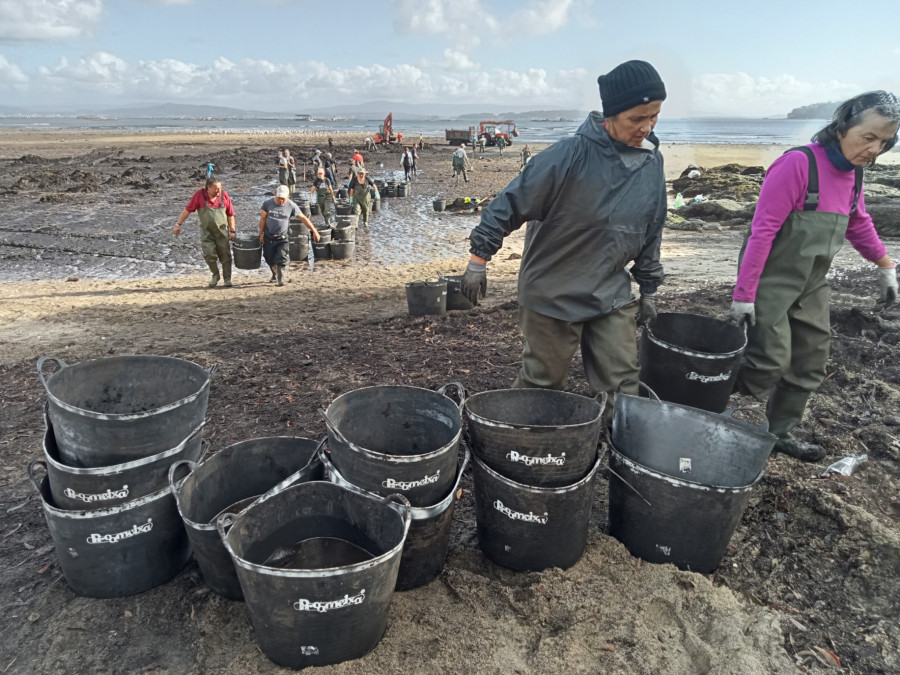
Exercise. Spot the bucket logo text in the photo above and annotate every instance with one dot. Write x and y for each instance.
(410, 484)
(528, 460)
(524, 517)
(101, 497)
(133, 531)
(705, 379)
(304, 605)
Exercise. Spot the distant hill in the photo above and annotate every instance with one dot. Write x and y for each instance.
(815, 111)
(185, 110)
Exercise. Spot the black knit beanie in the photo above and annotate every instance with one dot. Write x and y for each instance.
(630, 84)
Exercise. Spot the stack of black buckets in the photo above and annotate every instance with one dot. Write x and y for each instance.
(535, 460)
(113, 428)
(337, 242)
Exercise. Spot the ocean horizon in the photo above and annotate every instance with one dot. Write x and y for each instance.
(712, 130)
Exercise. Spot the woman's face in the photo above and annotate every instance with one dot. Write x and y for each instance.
(864, 142)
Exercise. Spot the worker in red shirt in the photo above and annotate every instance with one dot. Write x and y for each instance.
(217, 227)
(357, 158)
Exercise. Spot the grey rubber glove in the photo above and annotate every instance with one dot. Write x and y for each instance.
(474, 282)
(887, 285)
(646, 309)
(743, 312)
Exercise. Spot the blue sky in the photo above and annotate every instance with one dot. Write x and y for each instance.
(717, 58)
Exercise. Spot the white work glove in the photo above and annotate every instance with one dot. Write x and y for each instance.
(887, 285)
(743, 312)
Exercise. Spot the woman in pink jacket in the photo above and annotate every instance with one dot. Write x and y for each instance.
(811, 200)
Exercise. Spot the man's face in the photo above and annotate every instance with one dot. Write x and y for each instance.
(280, 200)
(632, 126)
(213, 190)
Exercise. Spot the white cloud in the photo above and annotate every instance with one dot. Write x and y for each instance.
(47, 20)
(103, 79)
(10, 73)
(741, 94)
(539, 18)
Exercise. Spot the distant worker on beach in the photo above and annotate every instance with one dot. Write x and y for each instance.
(274, 228)
(357, 158)
(407, 163)
(501, 143)
(282, 165)
(362, 194)
(291, 170)
(323, 193)
(460, 161)
(592, 203)
(217, 228)
(811, 200)
(370, 144)
(526, 155)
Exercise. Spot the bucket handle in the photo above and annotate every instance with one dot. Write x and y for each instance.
(33, 476)
(174, 483)
(223, 524)
(295, 477)
(212, 370)
(749, 408)
(401, 505)
(629, 485)
(640, 385)
(332, 427)
(601, 399)
(460, 392)
(40, 367)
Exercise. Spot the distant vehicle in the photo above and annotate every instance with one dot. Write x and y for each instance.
(459, 136)
(490, 131)
(386, 135)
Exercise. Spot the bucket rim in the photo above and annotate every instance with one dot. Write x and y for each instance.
(720, 418)
(427, 283)
(111, 469)
(399, 459)
(90, 514)
(648, 328)
(321, 571)
(543, 427)
(123, 417)
(178, 484)
(581, 482)
(418, 512)
(637, 467)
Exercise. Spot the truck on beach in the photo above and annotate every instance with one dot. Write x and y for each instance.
(459, 136)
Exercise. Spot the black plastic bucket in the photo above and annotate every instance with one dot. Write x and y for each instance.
(314, 208)
(395, 438)
(116, 551)
(390, 189)
(529, 528)
(352, 219)
(247, 251)
(343, 250)
(455, 298)
(106, 486)
(324, 234)
(244, 470)
(426, 297)
(344, 232)
(376, 205)
(691, 359)
(402, 189)
(343, 208)
(662, 519)
(425, 550)
(321, 250)
(690, 443)
(326, 608)
(119, 409)
(297, 228)
(298, 248)
(538, 437)
(439, 204)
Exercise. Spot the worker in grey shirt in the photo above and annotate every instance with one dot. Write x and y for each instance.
(274, 226)
(592, 203)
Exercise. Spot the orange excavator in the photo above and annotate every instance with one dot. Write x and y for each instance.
(386, 135)
(490, 131)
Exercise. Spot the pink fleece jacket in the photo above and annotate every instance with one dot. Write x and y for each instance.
(783, 191)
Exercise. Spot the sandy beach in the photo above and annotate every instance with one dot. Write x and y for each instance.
(90, 268)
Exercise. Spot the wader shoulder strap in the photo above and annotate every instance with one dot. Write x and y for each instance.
(811, 202)
(857, 188)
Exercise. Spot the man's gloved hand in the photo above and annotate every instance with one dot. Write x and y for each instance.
(474, 281)
(647, 308)
(743, 312)
(887, 285)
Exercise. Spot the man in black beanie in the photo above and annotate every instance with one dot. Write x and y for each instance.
(593, 203)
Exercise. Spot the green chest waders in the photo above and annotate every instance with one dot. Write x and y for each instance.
(788, 347)
(214, 238)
